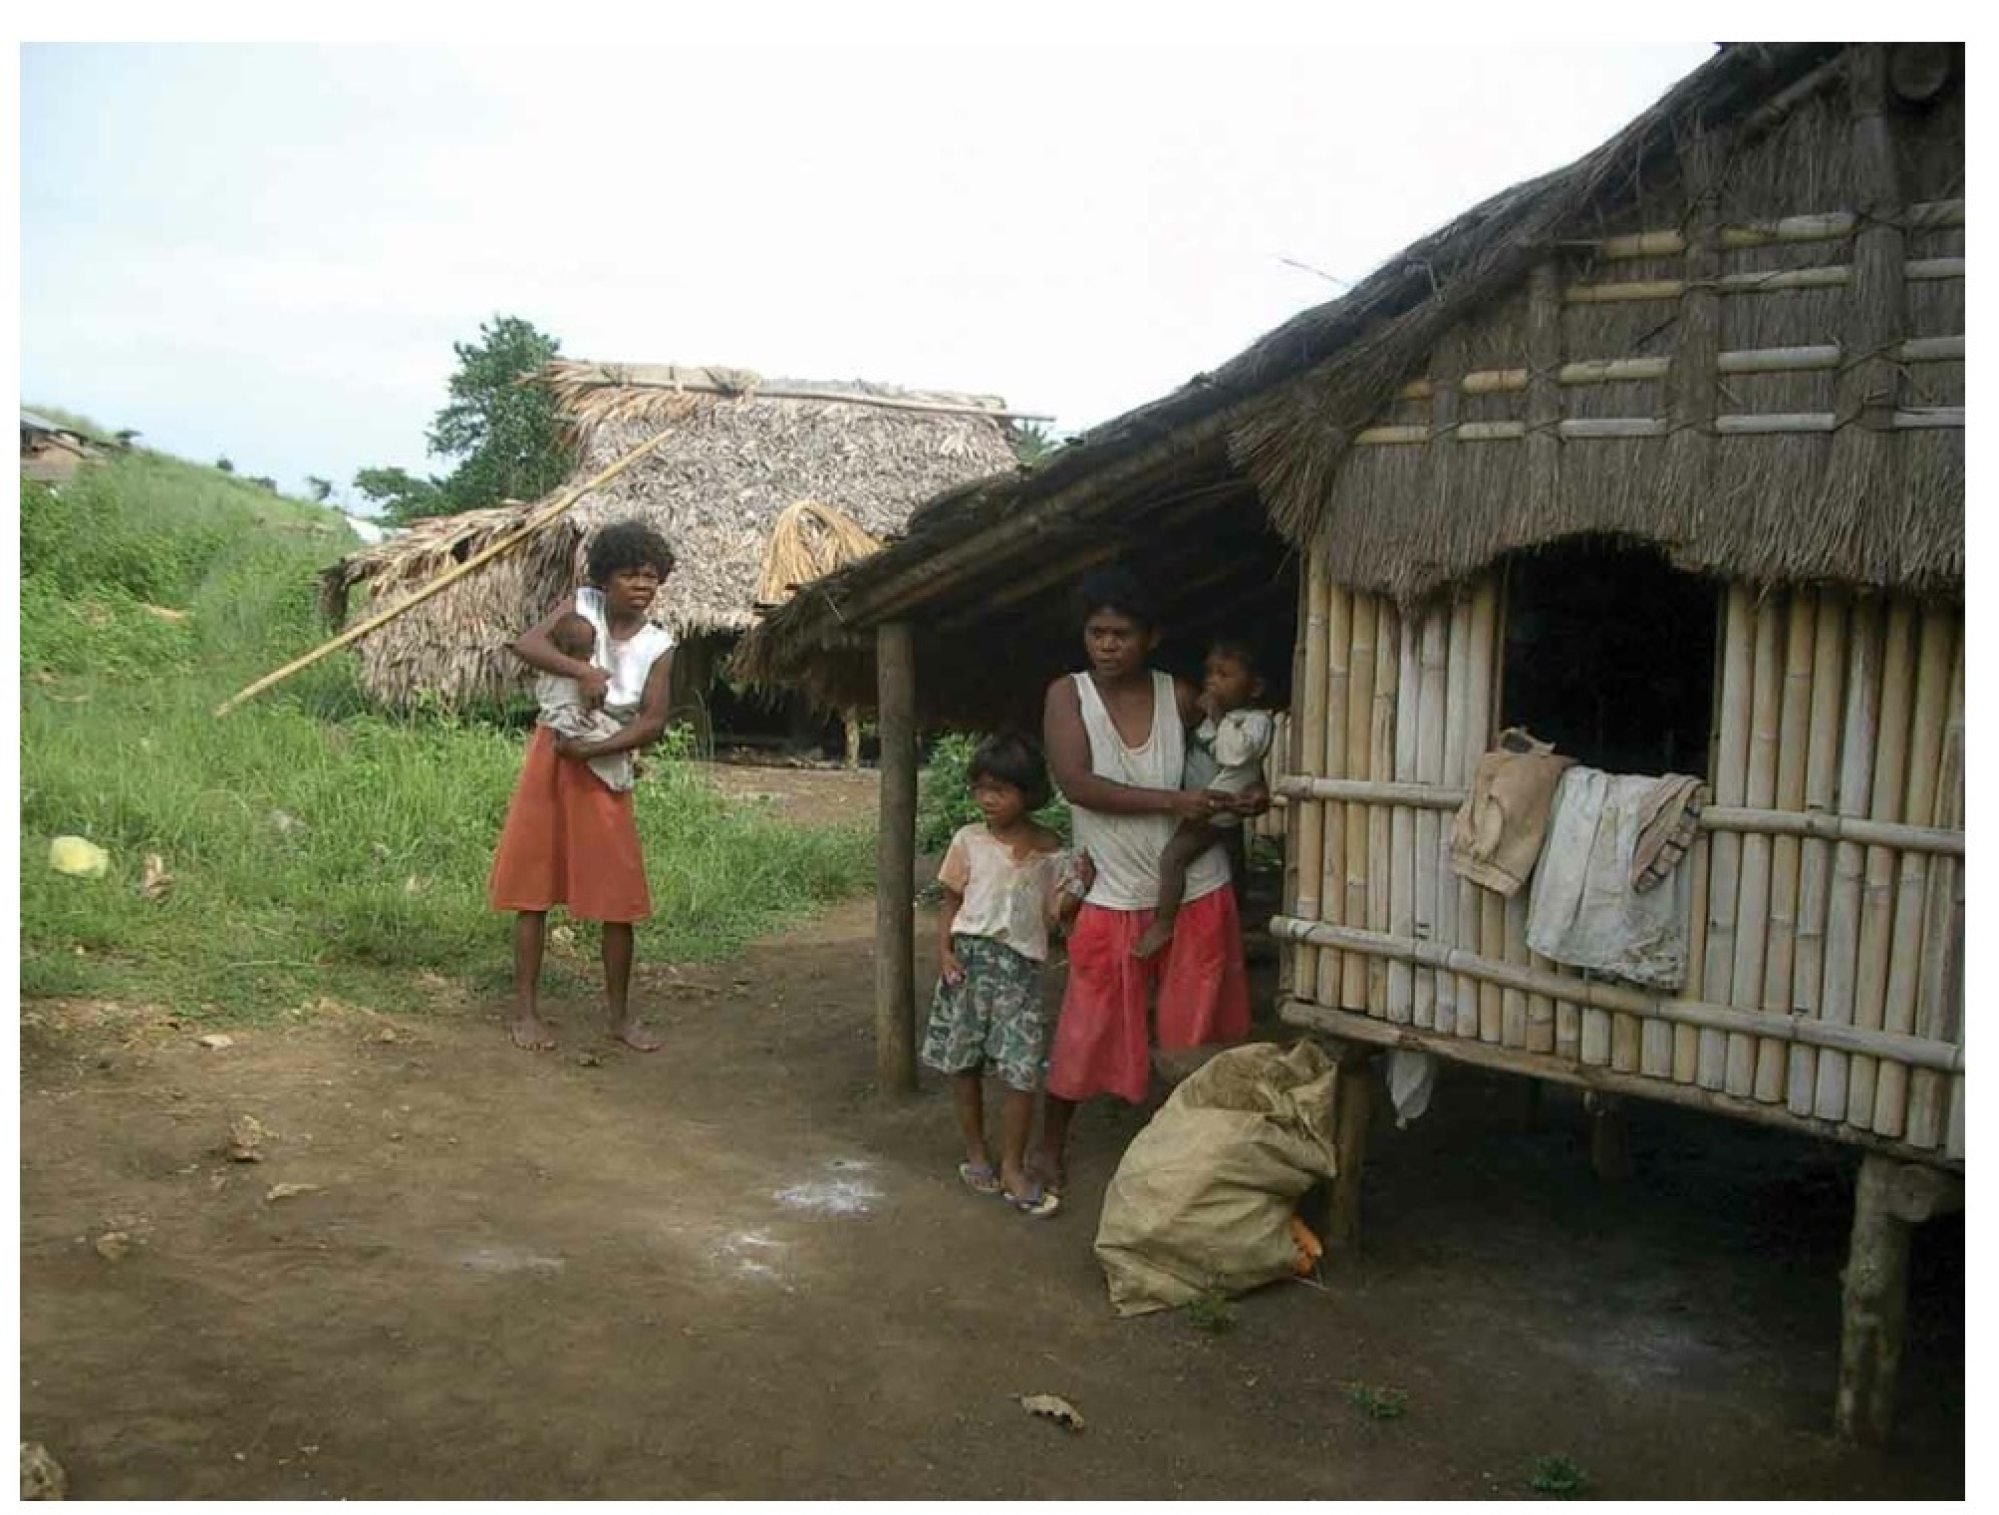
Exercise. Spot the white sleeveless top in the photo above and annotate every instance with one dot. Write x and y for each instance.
(1126, 848)
(629, 662)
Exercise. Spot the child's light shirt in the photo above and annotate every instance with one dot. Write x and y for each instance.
(563, 712)
(1004, 898)
(629, 663)
(1227, 754)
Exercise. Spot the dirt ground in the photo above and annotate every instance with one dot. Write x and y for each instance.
(729, 1270)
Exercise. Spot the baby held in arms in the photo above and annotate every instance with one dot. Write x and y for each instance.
(562, 707)
(1225, 758)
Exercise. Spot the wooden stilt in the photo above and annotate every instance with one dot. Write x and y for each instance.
(1609, 1139)
(895, 861)
(1353, 1108)
(850, 722)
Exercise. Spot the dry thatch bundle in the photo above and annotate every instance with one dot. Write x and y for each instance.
(740, 453)
(808, 541)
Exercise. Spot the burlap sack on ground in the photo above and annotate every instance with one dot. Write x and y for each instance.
(1204, 1195)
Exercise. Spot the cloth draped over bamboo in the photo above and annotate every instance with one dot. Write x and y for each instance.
(1497, 834)
(1583, 910)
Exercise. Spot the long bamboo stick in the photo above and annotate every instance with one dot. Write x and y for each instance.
(1310, 819)
(1341, 604)
(1942, 922)
(1402, 824)
(530, 527)
(1287, 959)
(1381, 765)
(1734, 713)
(1453, 893)
(1877, 905)
(1429, 769)
(1828, 688)
(1793, 728)
(1914, 1050)
(1927, 729)
(1858, 725)
(1752, 900)
(1687, 1039)
(1360, 744)
(1478, 736)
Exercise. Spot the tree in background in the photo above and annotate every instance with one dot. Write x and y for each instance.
(505, 435)
(224, 465)
(320, 489)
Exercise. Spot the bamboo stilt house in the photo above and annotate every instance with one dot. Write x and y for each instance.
(742, 451)
(1660, 455)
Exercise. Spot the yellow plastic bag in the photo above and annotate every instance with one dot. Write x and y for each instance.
(78, 858)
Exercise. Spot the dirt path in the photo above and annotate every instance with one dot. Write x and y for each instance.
(727, 1271)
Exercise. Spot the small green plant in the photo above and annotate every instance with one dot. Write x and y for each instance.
(1557, 1476)
(1212, 1311)
(1378, 1403)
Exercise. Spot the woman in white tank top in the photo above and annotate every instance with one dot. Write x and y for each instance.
(1116, 737)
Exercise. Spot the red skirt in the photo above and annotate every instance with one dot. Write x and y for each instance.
(568, 841)
(1100, 1042)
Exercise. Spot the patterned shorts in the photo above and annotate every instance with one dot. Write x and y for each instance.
(991, 1016)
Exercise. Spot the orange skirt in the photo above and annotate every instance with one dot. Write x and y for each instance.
(568, 841)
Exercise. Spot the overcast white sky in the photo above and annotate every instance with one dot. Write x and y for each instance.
(267, 252)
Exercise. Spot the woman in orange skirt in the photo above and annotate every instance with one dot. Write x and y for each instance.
(569, 838)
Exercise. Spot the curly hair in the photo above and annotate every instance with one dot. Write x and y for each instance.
(625, 545)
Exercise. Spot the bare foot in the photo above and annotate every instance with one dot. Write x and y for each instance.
(637, 1037)
(530, 1035)
(1155, 936)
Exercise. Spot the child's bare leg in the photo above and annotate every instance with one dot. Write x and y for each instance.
(1016, 1120)
(530, 931)
(625, 1026)
(1189, 840)
(1052, 1164)
(969, 1095)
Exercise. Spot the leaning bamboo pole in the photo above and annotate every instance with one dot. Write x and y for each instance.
(1943, 922)
(1402, 824)
(538, 521)
(1430, 770)
(1731, 777)
(1359, 722)
(1928, 721)
(1454, 895)
(1310, 817)
(1815, 855)
(1856, 771)
(1877, 900)
(1752, 899)
(1381, 766)
(1341, 604)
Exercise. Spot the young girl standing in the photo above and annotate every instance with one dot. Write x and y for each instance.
(1006, 881)
(569, 839)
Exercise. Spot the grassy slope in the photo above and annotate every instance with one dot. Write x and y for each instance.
(316, 848)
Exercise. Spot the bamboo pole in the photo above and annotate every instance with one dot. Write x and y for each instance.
(1341, 605)
(1752, 899)
(1491, 937)
(1526, 1020)
(1359, 745)
(1310, 818)
(1734, 712)
(1454, 893)
(535, 523)
(1687, 1039)
(1793, 738)
(1601, 994)
(1429, 770)
(1402, 824)
(1927, 729)
(1877, 905)
(1815, 854)
(1294, 731)
(1381, 765)
(1856, 770)
(1943, 922)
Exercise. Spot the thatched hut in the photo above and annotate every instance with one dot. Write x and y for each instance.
(741, 450)
(1660, 455)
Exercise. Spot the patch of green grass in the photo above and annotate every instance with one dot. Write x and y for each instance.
(1558, 1477)
(1378, 1403)
(1212, 1311)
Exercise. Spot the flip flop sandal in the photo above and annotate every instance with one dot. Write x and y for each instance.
(1040, 1204)
(981, 1178)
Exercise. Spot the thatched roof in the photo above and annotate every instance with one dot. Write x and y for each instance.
(1269, 435)
(741, 450)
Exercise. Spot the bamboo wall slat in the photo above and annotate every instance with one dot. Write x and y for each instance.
(1381, 765)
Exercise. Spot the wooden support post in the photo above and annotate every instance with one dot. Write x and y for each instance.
(1889, 1198)
(850, 724)
(1353, 1108)
(895, 862)
(1609, 1138)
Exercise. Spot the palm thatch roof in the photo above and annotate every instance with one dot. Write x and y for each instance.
(740, 452)
(1181, 487)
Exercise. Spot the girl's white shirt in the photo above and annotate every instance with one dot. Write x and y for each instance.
(629, 662)
(1003, 897)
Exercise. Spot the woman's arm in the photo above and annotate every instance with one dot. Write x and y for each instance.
(1067, 745)
(645, 728)
(534, 648)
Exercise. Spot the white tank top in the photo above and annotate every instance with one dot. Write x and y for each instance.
(1126, 848)
(629, 663)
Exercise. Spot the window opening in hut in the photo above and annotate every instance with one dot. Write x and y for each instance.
(1610, 655)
